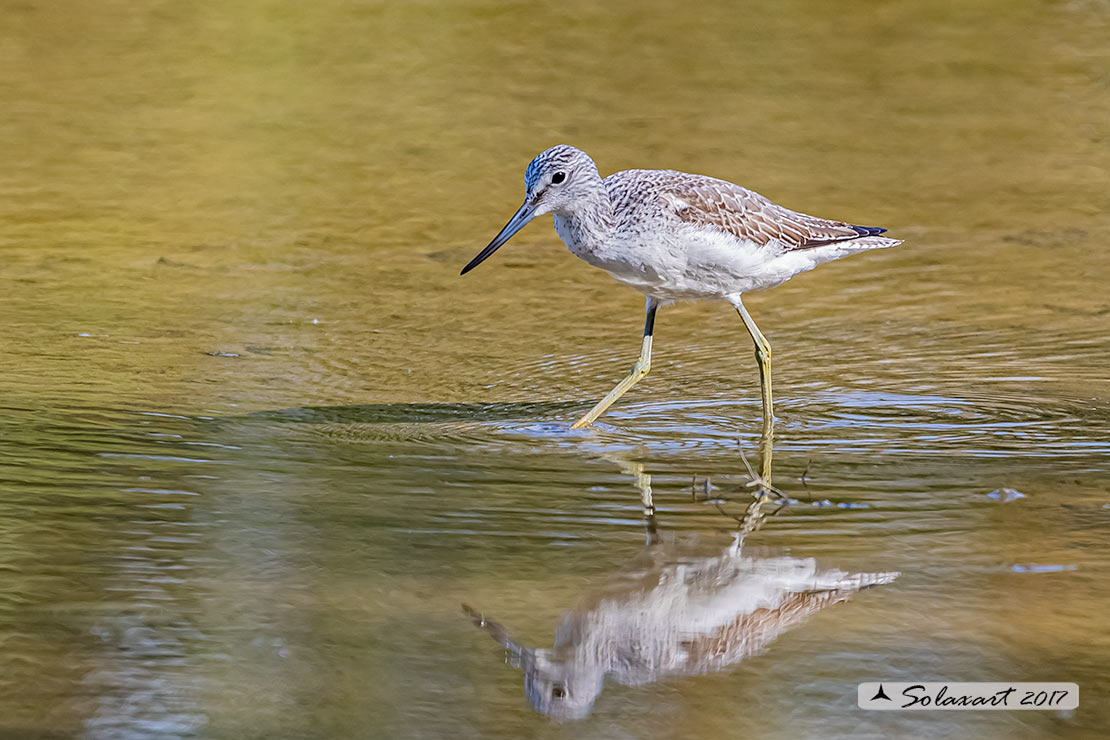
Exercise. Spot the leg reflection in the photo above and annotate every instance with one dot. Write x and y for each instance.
(768, 500)
(643, 483)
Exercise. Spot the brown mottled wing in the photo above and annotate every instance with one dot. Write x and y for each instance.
(747, 215)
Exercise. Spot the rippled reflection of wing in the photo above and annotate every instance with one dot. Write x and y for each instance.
(752, 631)
(701, 614)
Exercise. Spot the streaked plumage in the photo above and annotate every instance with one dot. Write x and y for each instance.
(677, 236)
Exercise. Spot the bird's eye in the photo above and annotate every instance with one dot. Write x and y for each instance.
(558, 177)
(558, 692)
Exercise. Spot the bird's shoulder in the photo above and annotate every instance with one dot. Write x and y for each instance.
(723, 206)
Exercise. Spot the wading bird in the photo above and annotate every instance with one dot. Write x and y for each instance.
(676, 236)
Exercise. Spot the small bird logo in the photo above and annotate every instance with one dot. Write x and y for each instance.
(880, 694)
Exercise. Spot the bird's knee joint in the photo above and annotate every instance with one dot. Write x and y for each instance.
(640, 369)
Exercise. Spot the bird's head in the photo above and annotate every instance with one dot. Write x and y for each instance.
(562, 690)
(556, 180)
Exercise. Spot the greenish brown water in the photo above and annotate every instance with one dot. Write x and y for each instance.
(258, 440)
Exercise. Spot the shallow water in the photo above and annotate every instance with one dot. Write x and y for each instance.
(259, 441)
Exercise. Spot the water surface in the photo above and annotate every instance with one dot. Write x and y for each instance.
(259, 441)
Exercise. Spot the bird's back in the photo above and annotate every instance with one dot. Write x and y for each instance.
(640, 195)
(680, 235)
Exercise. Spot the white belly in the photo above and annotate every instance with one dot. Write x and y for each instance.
(692, 264)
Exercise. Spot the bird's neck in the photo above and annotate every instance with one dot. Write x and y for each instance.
(587, 227)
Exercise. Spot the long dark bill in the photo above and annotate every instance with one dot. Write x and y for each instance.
(519, 656)
(516, 223)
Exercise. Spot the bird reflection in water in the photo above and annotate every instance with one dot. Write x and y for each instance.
(666, 615)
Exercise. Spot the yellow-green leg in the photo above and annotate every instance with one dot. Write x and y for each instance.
(639, 370)
(766, 447)
(763, 358)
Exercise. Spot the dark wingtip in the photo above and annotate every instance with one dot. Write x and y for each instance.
(861, 231)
